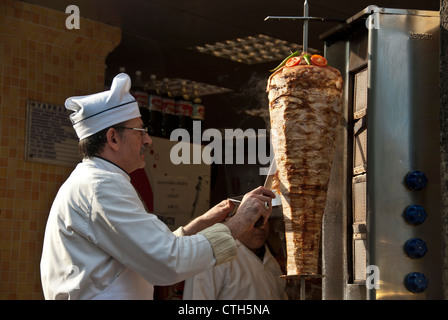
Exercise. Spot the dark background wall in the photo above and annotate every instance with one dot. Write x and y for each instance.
(444, 129)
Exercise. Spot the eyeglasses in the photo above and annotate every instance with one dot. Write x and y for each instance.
(143, 131)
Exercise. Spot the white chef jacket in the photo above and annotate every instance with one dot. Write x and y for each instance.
(245, 278)
(100, 243)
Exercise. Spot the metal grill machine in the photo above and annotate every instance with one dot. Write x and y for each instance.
(382, 234)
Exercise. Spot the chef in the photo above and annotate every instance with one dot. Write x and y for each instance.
(99, 242)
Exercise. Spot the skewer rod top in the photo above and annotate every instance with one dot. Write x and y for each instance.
(305, 26)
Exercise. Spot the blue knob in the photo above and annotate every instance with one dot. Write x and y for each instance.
(415, 214)
(416, 282)
(415, 248)
(416, 180)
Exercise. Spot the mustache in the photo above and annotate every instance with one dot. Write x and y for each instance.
(144, 149)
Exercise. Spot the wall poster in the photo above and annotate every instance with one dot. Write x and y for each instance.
(50, 137)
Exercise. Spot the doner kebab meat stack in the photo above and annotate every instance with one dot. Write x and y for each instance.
(305, 99)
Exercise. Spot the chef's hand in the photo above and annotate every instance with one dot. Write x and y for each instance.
(255, 205)
(216, 214)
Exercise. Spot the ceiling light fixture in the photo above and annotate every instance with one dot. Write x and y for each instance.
(252, 49)
(204, 89)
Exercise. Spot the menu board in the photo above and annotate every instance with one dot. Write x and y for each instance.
(50, 137)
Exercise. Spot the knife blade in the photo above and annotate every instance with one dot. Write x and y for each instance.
(268, 183)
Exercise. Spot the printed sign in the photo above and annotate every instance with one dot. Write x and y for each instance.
(50, 137)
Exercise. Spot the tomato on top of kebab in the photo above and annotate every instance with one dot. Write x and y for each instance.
(302, 59)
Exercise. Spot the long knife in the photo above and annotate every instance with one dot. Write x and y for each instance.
(267, 184)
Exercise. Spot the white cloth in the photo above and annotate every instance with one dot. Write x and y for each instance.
(98, 111)
(245, 278)
(101, 243)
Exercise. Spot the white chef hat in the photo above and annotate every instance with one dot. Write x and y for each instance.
(99, 111)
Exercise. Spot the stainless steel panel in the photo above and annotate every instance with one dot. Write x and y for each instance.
(334, 224)
(403, 136)
(401, 59)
